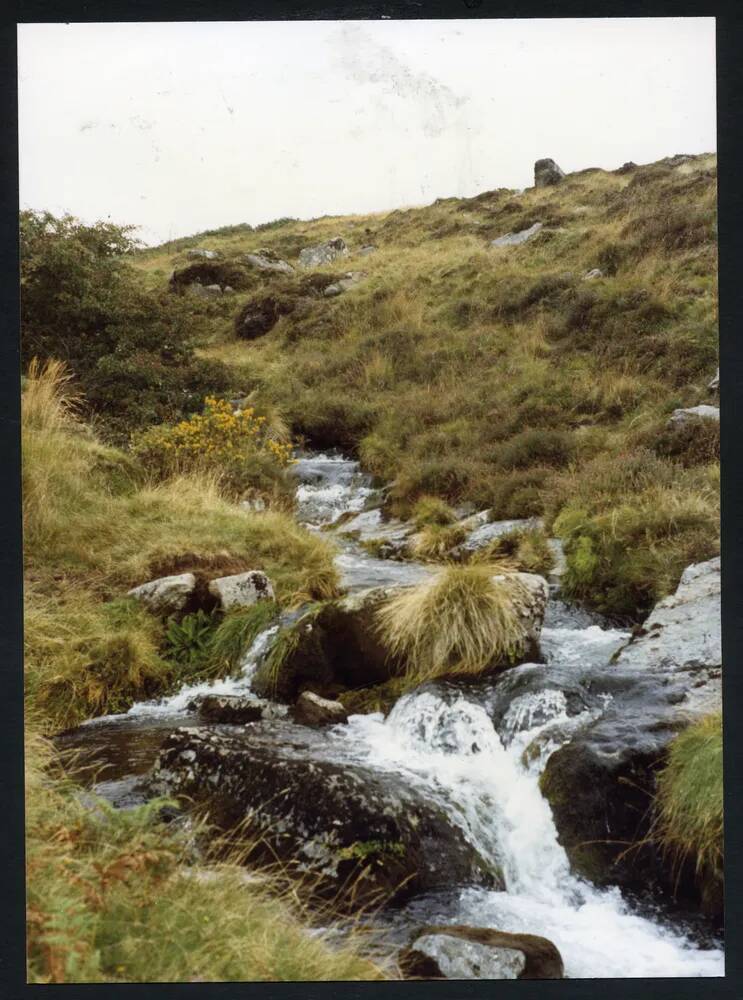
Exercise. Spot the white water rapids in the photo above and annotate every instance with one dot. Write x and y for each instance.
(487, 779)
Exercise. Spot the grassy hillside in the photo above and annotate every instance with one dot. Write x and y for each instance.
(502, 375)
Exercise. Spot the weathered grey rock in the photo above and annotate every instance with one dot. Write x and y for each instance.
(515, 239)
(242, 589)
(689, 413)
(312, 710)
(348, 824)
(599, 785)
(198, 253)
(166, 595)
(460, 952)
(547, 173)
(482, 531)
(343, 284)
(225, 708)
(228, 290)
(265, 260)
(531, 593)
(324, 253)
(205, 291)
(594, 273)
(714, 383)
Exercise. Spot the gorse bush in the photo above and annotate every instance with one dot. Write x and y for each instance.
(232, 443)
(462, 621)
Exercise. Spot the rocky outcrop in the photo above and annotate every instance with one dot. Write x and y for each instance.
(324, 253)
(353, 827)
(166, 596)
(515, 239)
(242, 589)
(267, 260)
(312, 710)
(689, 414)
(260, 315)
(547, 173)
(600, 785)
(461, 952)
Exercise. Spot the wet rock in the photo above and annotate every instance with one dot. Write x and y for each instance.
(167, 595)
(267, 260)
(688, 414)
(547, 173)
(460, 952)
(260, 315)
(330, 649)
(324, 253)
(312, 710)
(225, 708)
(352, 826)
(514, 239)
(594, 273)
(198, 253)
(600, 786)
(242, 589)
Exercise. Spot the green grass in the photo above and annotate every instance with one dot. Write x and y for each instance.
(435, 541)
(460, 622)
(112, 896)
(235, 633)
(465, 373)
(689, 799)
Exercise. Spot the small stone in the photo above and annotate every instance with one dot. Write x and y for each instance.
(198, 253)
(689, 413)
(595, 272)
(166, 595)
(242, 589)
(514, 239)
(312, 710)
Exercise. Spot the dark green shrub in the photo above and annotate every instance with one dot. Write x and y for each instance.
(519, 493)
(536, 447)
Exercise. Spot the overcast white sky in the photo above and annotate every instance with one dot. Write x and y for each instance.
(188, 126)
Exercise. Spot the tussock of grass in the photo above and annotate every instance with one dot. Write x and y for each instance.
(460, 622)
(520, 551)
(689, 799)
(436, 541)
(432, 511)
(111, 898)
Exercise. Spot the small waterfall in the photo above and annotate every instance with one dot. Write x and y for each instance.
(329, 486)
(489, 783)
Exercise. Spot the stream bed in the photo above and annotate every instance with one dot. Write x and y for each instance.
(477, 751)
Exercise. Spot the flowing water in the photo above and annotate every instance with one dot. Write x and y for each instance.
(482, 767)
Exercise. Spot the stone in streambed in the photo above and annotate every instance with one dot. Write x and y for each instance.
(461, 952)
(312, 710)
(225, 708)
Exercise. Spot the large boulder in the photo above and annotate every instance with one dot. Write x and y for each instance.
(324, 253)
(461, 952)
(600, 785)
(515, 239)
(167, 595)
(689, 414)
(355, 828)
(547, 173)
(241, 590)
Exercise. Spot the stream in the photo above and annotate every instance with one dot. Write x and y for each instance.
(476, 750)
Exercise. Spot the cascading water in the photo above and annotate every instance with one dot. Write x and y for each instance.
(485, 775)
(489, 783)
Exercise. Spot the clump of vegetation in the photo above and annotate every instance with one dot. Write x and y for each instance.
(437, 541)
(631, 526)
(130, 348)
(112, 897)
(233, 444)
(432, 511)
(522, 550)
(234, 635)
(689, 800)
(188, 640)
(460, 622)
